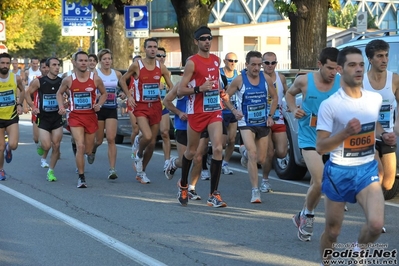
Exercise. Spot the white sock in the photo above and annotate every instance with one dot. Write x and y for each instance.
(191, 187)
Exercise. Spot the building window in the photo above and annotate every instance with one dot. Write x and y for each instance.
(271, 40)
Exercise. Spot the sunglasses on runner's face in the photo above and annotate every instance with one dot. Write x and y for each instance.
(161, 55)
(203, 39)
(232, 60)
(269, 63)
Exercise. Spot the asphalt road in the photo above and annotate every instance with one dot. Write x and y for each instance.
(123, 222)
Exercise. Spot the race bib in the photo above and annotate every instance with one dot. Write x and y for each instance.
(313, 120)
(82, 100)
(212, 101)
(150, 92)
(7, 98)
(256, 114)
(361, 144)
(50, 103)
(111, 97)
(385, 116)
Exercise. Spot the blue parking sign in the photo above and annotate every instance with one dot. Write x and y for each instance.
(136, 18)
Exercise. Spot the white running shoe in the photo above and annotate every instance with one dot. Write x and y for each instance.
(44, 164)
(244, 158)
(265, 187)
(205, 175)
(135, 147)
(142, 178)
(255, 196)
(226, 170)
(138, 163)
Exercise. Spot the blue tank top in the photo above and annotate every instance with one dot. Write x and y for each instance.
(311, 103)
(181, 104)
(253, 102)
(233, 97)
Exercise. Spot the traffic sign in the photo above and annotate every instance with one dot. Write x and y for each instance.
(361, 21)
(3, 48)
(77, 20)
(136, 21)
(2, 30)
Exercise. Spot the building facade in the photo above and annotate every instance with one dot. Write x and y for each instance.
(244, 25)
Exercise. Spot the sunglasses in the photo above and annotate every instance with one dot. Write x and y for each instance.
(269, 63)
(161, 55)
(209, 38)
(232, 60)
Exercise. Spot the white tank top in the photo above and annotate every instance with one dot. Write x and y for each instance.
(110, 83)
(33, 74)
(387, 110)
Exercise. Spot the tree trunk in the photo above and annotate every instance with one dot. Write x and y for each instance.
(191, 14)
(113, 20)
(308, 32)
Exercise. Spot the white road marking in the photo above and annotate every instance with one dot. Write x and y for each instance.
(111, 242)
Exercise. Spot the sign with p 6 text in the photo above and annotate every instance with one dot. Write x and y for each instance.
(136, 21)
(77, 20)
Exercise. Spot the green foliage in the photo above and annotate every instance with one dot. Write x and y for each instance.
(347, 18)
(285, 7)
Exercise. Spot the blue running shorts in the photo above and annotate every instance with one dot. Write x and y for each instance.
(343, 183)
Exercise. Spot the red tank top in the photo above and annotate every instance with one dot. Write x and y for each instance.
(205, 69)
(147, 89)
(83, 95)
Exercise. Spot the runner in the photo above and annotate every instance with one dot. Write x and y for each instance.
(82, 118)
(315, 88)
(49, 121)
(251, 90)
(351, 173)
(146, 103)
(10, 108)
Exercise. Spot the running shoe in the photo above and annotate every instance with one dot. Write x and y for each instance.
(138, 163)
(182, 194)
(165, 165)
(265, 187)
(346, 208)
(112, 174)
(244, 156)
(170, 168)
(39, 149)
(82, 182)
(226, 170)
(297, 223)
(215, 200)
(91, 157)
(192, 195)
(2, 175)
(255, 196)
(142, 178)
(50, 176)
(8, 154)
(135, 147)
(384, 230)
(304, 223)
(205, 175)
(44, 164)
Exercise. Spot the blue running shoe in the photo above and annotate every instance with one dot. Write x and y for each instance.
(2, 175)
(8, 154)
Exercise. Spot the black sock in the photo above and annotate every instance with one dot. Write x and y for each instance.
(216, 169)
(82, 176)
(204, 158)
(210, 151)
(185, 169)
(74, 149)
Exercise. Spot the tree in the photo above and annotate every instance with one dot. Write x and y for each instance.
(308, 26)
(191, 14)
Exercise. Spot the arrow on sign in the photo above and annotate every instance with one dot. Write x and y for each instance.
(87, 11)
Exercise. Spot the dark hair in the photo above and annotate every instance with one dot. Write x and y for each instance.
(5, 55)
(162, 49)
(75, 56)
(149, 40)
(94, 56)
(43, 61)
(34, 58)
(328, 53)
(376, 45)
(251, 54)
(341, 59)
(49, 59)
